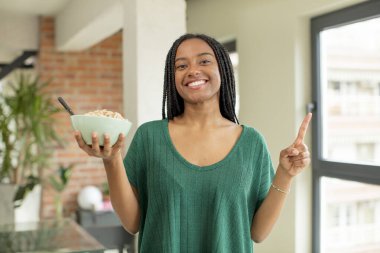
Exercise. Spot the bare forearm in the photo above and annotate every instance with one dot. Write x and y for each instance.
(270, 209)
(123, 199)
(293, 160)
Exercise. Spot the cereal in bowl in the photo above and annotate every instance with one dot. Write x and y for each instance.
(105, 113)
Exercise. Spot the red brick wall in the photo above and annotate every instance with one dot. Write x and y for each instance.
(87, 80)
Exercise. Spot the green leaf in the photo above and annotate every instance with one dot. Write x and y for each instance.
(55, 184)
(26, 130)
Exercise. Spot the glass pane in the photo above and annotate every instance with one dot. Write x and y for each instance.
(350, 85)
(235, 64)
(350, 217)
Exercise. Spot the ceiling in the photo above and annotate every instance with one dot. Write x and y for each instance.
(33, 7)
(19, 24)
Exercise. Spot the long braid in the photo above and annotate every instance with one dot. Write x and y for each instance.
(228, 89)
(171, 97)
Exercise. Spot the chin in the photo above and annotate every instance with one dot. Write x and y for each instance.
(200, 100)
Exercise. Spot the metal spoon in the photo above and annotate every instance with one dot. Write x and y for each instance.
(64, 104)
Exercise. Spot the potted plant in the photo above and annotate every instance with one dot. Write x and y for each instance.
(105, 192)
(26, 136)
(59, 182)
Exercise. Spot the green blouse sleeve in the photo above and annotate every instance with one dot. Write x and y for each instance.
(265, 166)
(133, 162)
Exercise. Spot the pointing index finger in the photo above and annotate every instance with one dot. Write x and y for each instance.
(303, 129)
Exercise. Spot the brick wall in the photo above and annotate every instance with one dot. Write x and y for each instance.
(87, 80)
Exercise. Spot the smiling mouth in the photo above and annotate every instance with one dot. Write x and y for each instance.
(196, 84)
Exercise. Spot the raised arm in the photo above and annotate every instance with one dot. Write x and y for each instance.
(293, 160)
(124, 196)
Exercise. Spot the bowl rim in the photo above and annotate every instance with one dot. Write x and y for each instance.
(96, 116)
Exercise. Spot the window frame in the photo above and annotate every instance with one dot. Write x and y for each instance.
(347, 171)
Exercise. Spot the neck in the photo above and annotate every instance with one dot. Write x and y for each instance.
(202, 115)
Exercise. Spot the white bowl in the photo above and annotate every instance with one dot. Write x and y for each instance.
(101, 125)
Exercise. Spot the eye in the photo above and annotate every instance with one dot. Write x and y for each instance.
(205, 62)
(180, 67)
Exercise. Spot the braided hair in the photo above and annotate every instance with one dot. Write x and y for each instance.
(227, 99)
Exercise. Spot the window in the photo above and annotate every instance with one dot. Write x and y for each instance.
(231, 48)
(346, 130)
(350, 216)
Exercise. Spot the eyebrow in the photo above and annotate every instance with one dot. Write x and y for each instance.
(201, 54)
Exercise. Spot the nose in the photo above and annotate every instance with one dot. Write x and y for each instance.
(193, 71)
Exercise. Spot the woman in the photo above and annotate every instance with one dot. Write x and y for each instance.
(198, 181)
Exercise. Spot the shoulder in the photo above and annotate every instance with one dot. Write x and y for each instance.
(255, 139)
(148, 131)
(152, 125)
(253, 133)
(257, 144)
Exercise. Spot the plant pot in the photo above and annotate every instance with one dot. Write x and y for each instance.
(106, 198)
(7, 214)
(29, 211)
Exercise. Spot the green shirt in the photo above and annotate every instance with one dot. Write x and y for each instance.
(188, 208)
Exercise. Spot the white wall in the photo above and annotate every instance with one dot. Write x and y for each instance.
(275, 85)
(150, 28)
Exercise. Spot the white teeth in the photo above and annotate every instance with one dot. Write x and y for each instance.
(196, 83)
